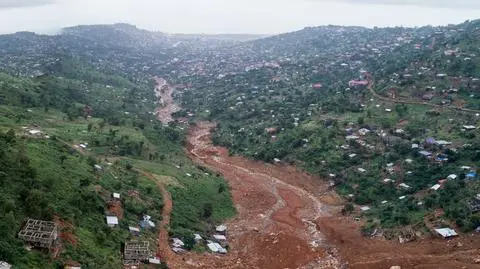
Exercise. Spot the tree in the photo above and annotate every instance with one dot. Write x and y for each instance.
(207, 210)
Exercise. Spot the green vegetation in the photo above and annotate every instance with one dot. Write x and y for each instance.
(48, 176)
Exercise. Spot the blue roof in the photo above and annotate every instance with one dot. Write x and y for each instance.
(425, 153)
(472, 174)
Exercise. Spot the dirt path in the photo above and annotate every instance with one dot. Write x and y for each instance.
(163, 249)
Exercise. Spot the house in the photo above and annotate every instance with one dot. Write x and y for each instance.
(5, 265)
(146, 223)
(134, 230)
(353, 155)
(452, 177)
(384, 202)
(387, 180)
(436, 187)
(409, 161)
(402, 197)
(216, 247)
(83, 146)
(71, 265)
(405, 186)
(177, 243)
(154, 260)
(442, 143)
(441, 158)
(116, 195)
(34, 132)
(415, 146)
(197, 237)
(112, 221)
(98, 167)
(471, 175)
(425, 153)
(465, 167)
(365, 208)
(353, 83)
(221, 229)
(345, 147)
(351, 137)
(220, 237)
(446, 232)
(361, 170)
(469, 127)
(363, 131)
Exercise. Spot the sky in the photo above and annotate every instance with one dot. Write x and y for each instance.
(231, 16)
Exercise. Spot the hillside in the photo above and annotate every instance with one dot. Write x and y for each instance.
(385, 121)
(68, 143)
(309, 107)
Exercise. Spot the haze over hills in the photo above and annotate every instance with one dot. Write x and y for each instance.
(384, 120)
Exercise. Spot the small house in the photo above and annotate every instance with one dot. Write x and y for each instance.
(72, 265)
(471, 175)
(469, 127)
(363, 131)
(112, 221)
(134, 230)
(197, 237)
(353, 155)
(216, 247)
(402, 197)
(436, 187)
(365, 208)
(425, 153)
(452, 177)
(34, 132)
(361, 170)
(403, 185)
(351, 137)
(116, 195)
(221, 229)
(220, 237)
(154, 260)
(446, 232)
(176, 242)
(387, 180)
(442, 143)
(146, 223)
(5, 265)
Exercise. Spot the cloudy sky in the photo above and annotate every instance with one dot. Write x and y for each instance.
(231, 16)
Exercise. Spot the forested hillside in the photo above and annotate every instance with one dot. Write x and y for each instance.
(73, 137)
(387, 117)
(384, 114)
